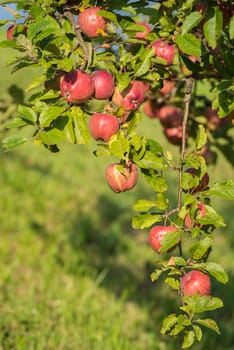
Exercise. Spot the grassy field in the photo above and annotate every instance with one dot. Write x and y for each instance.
(74, 274)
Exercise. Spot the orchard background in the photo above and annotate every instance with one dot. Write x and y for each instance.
(74, 274)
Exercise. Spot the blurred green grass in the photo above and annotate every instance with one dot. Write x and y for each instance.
(74, 275)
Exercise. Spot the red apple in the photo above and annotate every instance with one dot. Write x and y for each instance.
(103, 84)
(165, 51)
(150, 108)
(91, 24)
(77, 86)
(121, 182)
(10, 31)
(201, 211)
(170, 116)
(132, 97)
(103, 126)
(174, 135)
(146, 30)
(195, 282)
(168, 86)
(156, 235)
(213, 120)
(203, 182)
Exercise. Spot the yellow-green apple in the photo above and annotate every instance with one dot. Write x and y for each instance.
(104, 84)
(195, 282)
(102, 126)
(77, 86)
(121, 181)
(156, 236)
(91, 24)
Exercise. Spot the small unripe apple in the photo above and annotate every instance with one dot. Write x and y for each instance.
(121, 182)
(203, 182)
(145, 32)
(195, 282)
(164, 50)
(103, 84)
(77, 86)
(103, 126)
(170, 116)
(132, 97)
(156, 235)
(91, 24)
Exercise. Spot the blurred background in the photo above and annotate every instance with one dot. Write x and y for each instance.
(74, 274)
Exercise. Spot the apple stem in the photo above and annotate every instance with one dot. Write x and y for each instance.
(80, 39)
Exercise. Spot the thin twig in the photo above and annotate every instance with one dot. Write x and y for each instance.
(80, 39)
(187, 100)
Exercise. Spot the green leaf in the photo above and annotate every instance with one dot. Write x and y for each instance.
(211, 217)
(168, 322)
(145, 65)
(201, 138)
(81, 129)
(27, 113)
(173, 283)
(214, 269)
(223, 190)
(189, 44)
(170, 240)
(155, 275)
(119, 146)
(197, 332)
(213, 27)
(188, 340)
(188, 181)
(16, 123)
(203, 303)
(143, 205)
(162, 201)
(201, 249)
(209, 323)
(109, 15)
(142, 221)
(231, 28)
(152, 161)
(13, 141)
(50, 114)
(51, 137)
(191, 21)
